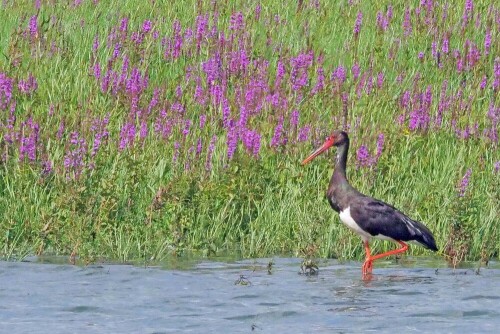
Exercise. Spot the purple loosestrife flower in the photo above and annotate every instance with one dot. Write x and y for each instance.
(29, 140)
(473, 55)
(445, 45)
(236, 22)
(304, 133)
(231, 141)
(124, 24)
(363, 156)
(33, 26)
(496, 74)
(188, 159)
(146, 26)
(100, 128)
(484, 82)
(143, 133)
(28, 86)
(369, 85)
(294, 119)
(177, 147)
(405, 100)
(460, 65)
(242, 122)
(407, 28)
(257, 11)
(434, 49)
(178, 92)
(280, 73)
(278, 131)
(340, 73)
(380, 18)
(226, 113)
(389, 13)
(201, 29)
(496, 166)
(74, 157)
(251, 141)
(154, 100)
(357, 24)
(355, 71)
(127, 136)
(494, 116)
(320, 83)
(199, 147)
(380, 80)
(256, 144)
(464, 184)
(211, 148)
(6, 85)
(216, 94)
(95, 45)
(299, 75)
(468, 12)
(47, 167)
(97, 71)
(383, 21)
(60, 130)
(487, 42)
(203, 120)
(105, 81)
(380, 146)
(187, 127)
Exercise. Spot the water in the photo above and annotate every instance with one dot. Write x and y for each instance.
(196, 296)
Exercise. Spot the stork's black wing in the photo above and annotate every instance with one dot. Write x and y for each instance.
(379, 218)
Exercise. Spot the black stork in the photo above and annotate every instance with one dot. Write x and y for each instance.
(368, 217)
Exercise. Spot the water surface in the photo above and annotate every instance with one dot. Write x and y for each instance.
(200, 296)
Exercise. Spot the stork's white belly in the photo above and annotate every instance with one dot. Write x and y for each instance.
(346, 218)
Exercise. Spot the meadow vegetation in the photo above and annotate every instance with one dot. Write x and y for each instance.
(140, 129)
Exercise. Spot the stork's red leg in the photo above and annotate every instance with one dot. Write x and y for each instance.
(368, 265)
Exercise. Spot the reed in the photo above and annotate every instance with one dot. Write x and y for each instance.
(139, 130)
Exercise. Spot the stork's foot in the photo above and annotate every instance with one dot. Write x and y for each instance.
(367, 267)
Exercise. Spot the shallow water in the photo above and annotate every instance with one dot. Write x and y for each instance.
(198, 296)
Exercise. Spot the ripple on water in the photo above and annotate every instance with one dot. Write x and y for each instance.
(479, 297)
(83, 309)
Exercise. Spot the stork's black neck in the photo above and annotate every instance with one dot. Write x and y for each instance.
(341, 159)
(340, 191)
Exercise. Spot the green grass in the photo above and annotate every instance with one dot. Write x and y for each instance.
(139, 204)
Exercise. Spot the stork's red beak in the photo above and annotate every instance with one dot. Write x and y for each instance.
(328, 143)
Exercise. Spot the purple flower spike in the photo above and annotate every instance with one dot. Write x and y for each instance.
(380, 146)
(380, 80)
(278, 131)
(232, 141)
(496, 166)
(6, 85)
(363, 156)
(468, 12)
(211, 147)
(357, 24)
(487, 42)
(33, 26)
(355, 71)
(146, 26)
(464, 184)
(407, 28)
